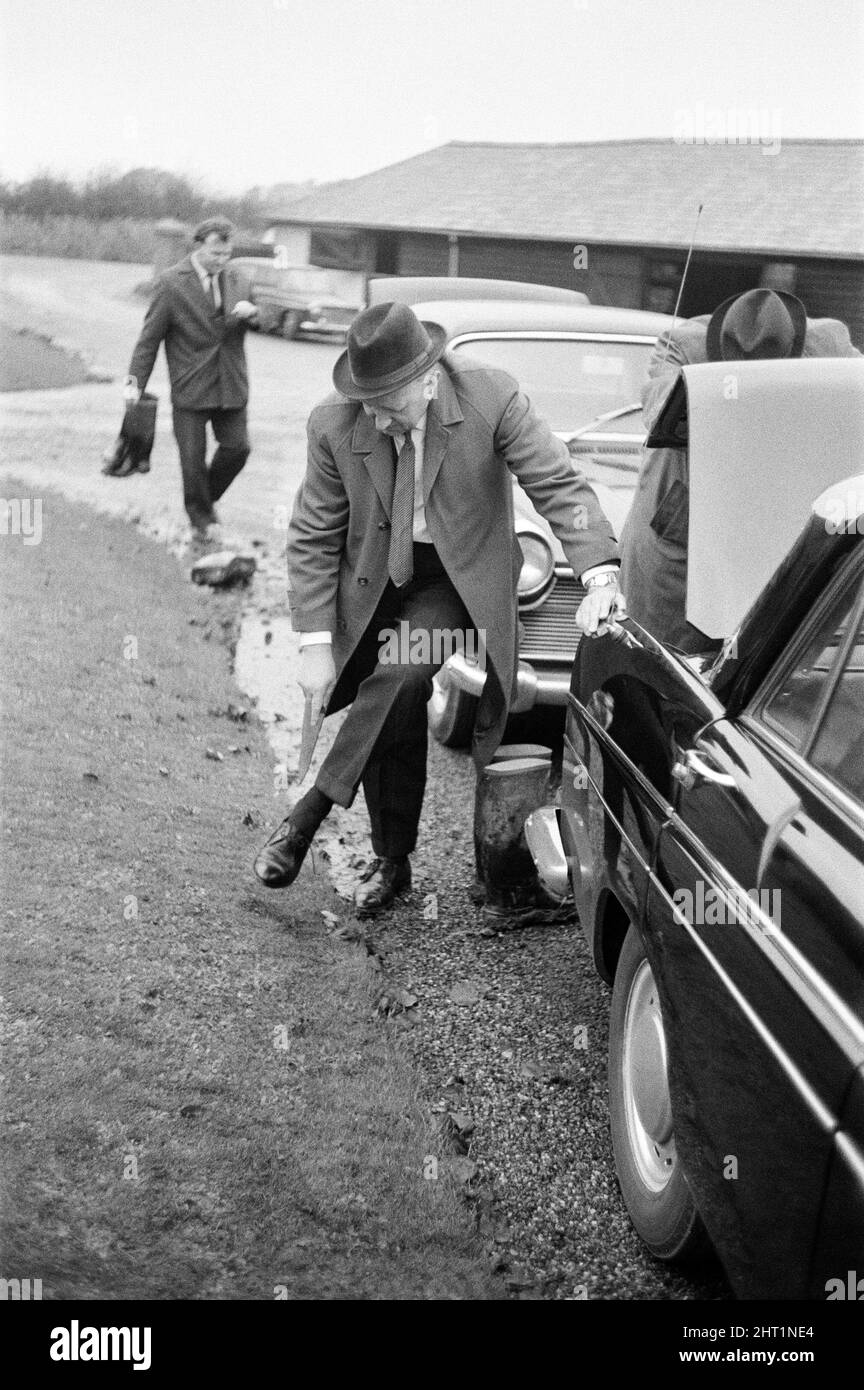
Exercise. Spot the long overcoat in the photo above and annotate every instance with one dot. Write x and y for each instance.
(203, 345)
(480, 430)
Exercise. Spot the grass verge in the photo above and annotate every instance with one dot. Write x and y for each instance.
(198, 1101)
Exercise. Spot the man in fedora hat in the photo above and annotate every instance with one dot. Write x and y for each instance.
(405, 517)
(757, 324)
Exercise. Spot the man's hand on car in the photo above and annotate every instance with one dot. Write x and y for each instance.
(601, 602)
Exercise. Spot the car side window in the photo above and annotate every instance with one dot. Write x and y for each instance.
(793, 705)
(818, 704)
(838, 750)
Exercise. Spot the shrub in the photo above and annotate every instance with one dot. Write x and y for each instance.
(82, 238)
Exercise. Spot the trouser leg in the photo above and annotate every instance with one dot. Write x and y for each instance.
(229, 427)
(190, 431)
(383, 739)
(394, 779)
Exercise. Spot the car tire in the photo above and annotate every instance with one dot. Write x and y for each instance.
(451, 712)
(290, 325)
(649, 1170)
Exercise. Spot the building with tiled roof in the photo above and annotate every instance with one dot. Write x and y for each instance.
(786, 212)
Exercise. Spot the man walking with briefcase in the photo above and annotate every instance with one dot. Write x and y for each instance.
(200, 312)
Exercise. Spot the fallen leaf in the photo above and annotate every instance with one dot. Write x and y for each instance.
(163, 772)
(214, 755)
(463, 1169)
(190, 1111)
(91, 776)
(467, 992)
(330, 918)
(463, 1122)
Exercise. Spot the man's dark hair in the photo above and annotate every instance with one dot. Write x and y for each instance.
(220, 225)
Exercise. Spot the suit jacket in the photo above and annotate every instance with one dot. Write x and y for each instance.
(204, 349)
(654, 538)
(479, 429)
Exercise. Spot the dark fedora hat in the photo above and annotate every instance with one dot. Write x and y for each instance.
(757, 323)
(388, 346)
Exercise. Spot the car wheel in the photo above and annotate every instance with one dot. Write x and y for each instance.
(649, 1170)
(451, 712)
(290, 325)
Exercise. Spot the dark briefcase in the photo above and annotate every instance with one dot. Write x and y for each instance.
(131, 450)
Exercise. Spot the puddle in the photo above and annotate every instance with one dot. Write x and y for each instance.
(265, 668)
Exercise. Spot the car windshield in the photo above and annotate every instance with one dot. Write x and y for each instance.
(571, 382)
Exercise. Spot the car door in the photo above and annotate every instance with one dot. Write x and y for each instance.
(815, 711)
(760, 1013)
(632, 703)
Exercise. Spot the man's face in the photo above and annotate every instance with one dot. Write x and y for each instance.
(397, 412)
(213, 253)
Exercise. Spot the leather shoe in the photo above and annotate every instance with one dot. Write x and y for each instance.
(380, 884)
(278, 862)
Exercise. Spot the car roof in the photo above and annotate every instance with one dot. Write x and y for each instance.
(460, 316)
(414, 289)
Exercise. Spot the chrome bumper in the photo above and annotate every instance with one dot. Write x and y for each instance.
(533, 687)
(543, 837)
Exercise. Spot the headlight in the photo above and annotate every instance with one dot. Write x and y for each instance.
(538, 567)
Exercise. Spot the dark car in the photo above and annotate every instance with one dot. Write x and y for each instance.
(583, 366)
(711, 828)
(295, 299)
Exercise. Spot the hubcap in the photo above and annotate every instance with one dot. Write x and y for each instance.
(646, 1089)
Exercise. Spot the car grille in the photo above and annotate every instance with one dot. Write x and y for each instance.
(630, 454)
(549, 632)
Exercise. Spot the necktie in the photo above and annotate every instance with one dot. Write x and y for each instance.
(213, 286)
(401, 564)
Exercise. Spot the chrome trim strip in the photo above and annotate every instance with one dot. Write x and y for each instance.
(818, 781)
(851, 1153)
(638, 776)
(824, 1116)
(614, 819)
(479, 335)
(768, 937)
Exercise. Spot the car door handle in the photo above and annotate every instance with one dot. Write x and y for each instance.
(690, 770)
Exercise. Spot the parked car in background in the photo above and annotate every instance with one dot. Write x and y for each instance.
(297, 299)
(711, 830)
(583, 367)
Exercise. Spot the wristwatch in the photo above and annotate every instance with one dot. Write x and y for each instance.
(599, 581)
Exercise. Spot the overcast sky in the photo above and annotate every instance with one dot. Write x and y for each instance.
(245, 92)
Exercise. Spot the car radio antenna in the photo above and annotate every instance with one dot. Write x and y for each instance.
(681, 286)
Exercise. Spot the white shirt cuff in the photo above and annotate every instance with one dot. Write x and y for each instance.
(599, 569)
(308, 639)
